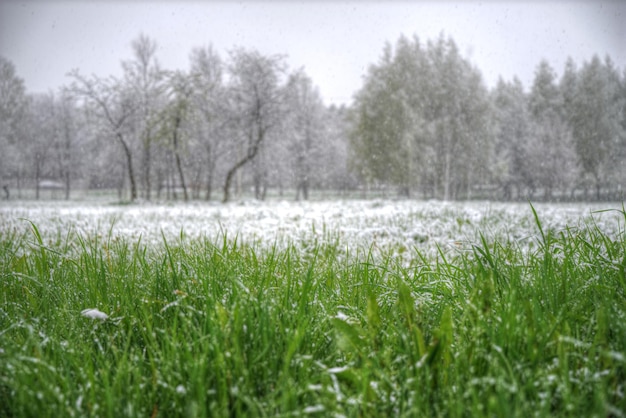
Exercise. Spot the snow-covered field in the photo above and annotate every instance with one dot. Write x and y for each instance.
(380, 225)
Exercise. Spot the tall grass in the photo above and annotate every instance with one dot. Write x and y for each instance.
(222, 328)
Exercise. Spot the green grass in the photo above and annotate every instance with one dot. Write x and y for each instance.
(220, 328)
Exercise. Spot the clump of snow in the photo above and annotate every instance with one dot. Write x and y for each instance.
(94, 314)
(337, 370)
(341, 316)
(313, 409)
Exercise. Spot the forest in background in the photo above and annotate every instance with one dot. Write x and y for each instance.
(423, 125)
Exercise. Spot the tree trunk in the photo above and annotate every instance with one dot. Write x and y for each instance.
(210, 171)
(257, 187)
(168, 180)
(67, 184)
(120, 187)
(129, 166)
(469, 181)
(231, 173)
(446, 177)
(146, 166)
(548, 193)
(598, 184)
(67, 161)
(260, 180)
(19, 181)
(37, 176)
(159, 187)
(209, 182)
(182, 177)
(179, 167)
(209, 187)
(252, 152)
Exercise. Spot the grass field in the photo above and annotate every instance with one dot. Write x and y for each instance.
(437, 311)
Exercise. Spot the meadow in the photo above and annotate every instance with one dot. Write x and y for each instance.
(354, 308)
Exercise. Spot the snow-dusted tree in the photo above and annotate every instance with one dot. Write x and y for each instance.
(209, 115)
(621, 152)
(614, 169)
(41, 136)
(68, 124)
(568, 87)
(112, 106)
(105, 166)
(552, 158)
(423, 118)
(334, 172)
(387, 137)
(13, 111)
(513, 127)
(145, 79)
(458, 113)
(256, 106)
(50, 141)
(305, 131)
(174, 121)
(595, 117)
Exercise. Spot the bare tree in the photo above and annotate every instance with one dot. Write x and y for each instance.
(67, 125)
(41, 137)
(145, 78)
(209, 112)
(174, 118)
(114, 106)
(256, 104)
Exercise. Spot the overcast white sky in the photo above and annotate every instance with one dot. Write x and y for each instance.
(334, 41)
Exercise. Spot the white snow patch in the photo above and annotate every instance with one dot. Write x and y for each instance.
(314, 409)
(335, 370)
(94, 314)
(342, 316)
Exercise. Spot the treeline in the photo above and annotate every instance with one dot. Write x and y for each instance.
(244, 123)
(424, 124)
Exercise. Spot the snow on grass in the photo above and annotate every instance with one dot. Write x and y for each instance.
(195, 329)
(393, 227)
